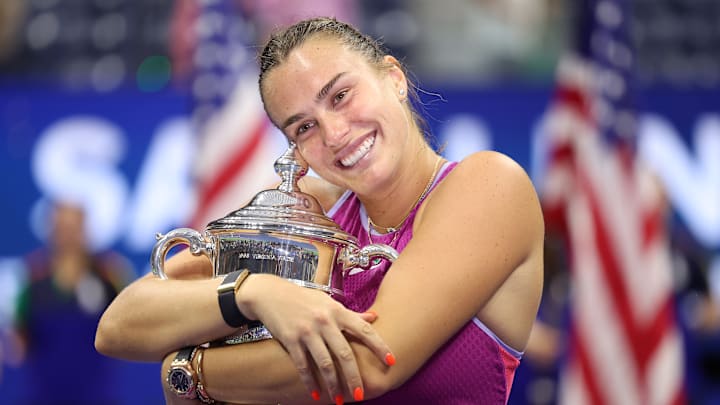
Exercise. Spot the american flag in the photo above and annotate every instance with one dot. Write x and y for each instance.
(237, 143)
(624, 345)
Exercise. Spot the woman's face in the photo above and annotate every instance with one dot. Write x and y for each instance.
(347, 117)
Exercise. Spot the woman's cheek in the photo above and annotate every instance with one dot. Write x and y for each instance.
(313, 154)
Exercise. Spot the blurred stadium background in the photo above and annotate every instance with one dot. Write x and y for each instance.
(110, 104)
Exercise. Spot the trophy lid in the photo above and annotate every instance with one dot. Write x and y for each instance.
(285, 209)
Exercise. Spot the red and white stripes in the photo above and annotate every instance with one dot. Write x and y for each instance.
(624, 345)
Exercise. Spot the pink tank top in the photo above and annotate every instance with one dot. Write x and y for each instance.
(473, 367)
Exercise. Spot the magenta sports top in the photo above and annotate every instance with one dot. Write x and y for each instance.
(473, 367)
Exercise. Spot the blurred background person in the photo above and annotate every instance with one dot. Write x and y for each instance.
(68, 288)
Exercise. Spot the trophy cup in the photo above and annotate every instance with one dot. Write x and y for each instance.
(281, 231)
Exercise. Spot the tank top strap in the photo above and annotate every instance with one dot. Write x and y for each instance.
(350, 214)
(446, 168)
(344, 199)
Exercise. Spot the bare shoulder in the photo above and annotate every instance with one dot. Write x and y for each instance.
(489, 166)
(326, 193)
(489, 175)
(488, 189)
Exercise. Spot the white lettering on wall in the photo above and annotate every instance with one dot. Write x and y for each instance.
(76, 160)
(691, 178)
(163, 196)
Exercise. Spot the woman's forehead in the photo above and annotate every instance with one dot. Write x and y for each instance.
(317, 56)
(308, 68)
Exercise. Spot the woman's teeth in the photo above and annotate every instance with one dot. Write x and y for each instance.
(361, 151)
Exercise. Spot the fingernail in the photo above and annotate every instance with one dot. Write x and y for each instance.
(390, 359)
(339, 400)
(371, 312)
(358, 394)
(315, 395)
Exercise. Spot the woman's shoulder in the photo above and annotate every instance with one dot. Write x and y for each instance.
(488, 182)
(485, 171)
(489, 162)
(326, 193)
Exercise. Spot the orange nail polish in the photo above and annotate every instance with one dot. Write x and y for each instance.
(358, 394)
(315, 395)
(390, 359)
(371, 312)
(339, 400)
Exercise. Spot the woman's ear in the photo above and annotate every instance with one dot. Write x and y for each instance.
(397, 75)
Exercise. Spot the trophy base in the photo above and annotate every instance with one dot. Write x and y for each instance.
(252, 332)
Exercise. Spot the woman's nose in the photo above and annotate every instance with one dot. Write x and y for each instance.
(336, 129)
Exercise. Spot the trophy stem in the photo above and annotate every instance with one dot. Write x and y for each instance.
(290, 169)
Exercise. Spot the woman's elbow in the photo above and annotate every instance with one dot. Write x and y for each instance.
(378, 380)
(375, 387)
(111, 345)
(106, 340)
(112, 340)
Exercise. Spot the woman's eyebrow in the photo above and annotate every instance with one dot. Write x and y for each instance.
(321, 94)
(324, 91)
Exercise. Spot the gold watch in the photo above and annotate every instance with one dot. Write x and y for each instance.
(181, 377)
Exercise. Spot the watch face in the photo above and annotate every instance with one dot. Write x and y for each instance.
(180, 381)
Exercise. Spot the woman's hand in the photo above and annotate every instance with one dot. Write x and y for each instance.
(307, 321)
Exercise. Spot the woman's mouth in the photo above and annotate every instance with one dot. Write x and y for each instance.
(359, 153)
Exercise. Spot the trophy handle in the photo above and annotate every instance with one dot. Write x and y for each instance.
(197, 243)
(361, 258)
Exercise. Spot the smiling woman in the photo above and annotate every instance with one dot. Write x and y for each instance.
(447, 322)
(340, 114)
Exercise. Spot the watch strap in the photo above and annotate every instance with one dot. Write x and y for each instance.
(184, 356)
(226, 298)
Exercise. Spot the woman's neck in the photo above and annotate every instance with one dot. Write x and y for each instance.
(415, 178)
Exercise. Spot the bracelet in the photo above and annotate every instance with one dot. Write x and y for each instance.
(201, 392)
(226, 298)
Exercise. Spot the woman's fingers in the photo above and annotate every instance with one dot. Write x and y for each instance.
(315, 330)
(345, 356)
(299, 357)
(325, 364)
(332, 337)
(363, 331)
(369, 316)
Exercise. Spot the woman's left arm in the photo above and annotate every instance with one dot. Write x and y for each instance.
(476, 251)
(477, 242)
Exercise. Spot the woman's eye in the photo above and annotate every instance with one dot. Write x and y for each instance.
(340, 96)
(304, 127)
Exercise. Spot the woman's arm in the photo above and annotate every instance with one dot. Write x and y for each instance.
(273, 380)
(152, 317)
(478, 240)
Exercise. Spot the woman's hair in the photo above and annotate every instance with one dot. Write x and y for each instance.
(282, 42)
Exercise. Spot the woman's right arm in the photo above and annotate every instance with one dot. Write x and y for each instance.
(152, 317)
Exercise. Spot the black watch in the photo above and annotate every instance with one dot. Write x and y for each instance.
(181, 377)
(226, 298)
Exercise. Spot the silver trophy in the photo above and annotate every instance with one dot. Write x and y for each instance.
(281, 231)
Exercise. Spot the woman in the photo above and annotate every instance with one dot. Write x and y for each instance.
(456, 307)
